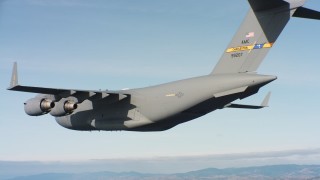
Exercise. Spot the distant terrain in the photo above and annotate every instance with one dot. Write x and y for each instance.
(311, 172)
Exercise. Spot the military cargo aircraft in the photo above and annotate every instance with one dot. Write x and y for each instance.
(161, 107)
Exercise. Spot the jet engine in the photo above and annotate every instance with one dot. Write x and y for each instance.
(63, 107)
(37, 106)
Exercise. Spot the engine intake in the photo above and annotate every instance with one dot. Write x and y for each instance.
(63, 107)
(38, 107)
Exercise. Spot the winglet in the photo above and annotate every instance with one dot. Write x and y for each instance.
(14, 77)
(265, 102)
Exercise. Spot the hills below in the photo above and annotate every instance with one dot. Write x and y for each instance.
(262, 172)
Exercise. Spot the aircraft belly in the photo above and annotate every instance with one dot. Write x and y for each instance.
(169, 105)
(184, 101)
(120, 120)
(171, 99)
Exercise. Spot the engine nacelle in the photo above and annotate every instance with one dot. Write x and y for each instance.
(63, 107)
(38, 107)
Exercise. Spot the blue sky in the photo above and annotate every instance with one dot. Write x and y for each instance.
(119, 44)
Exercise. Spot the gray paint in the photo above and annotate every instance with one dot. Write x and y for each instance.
(266, 21)
(164, 106)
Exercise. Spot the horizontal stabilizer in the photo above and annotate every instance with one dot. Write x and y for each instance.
(264, 104)
(303, 12)
(262, 5)
(242, 106)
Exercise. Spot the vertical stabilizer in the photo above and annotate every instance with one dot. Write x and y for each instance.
(259, 31)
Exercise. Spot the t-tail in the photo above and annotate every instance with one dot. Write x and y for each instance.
(259, 31)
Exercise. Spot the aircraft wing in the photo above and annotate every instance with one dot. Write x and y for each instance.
(79, 94)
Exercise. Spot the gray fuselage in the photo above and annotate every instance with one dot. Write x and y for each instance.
(163, 106)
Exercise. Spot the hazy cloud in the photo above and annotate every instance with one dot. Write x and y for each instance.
(166, 164)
